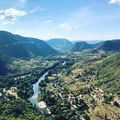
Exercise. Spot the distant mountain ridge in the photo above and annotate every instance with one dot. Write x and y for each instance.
(62, 45)
(79, 46)
(109, 45)
(23, 47)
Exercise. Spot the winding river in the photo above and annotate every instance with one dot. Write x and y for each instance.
(36, 89)
(34, 98)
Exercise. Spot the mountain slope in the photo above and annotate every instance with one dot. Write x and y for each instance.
(79, 46)
(3, 62)
(62, 45)
(23, 47)
(36, 46)
(109, 46)
(108, 76)
(9, 46)
(113, 45)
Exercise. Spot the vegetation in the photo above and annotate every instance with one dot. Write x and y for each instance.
(113, 45)
(108, 75)
(82, 85)
(79, 46)
(22, 47)
(18, 109)
(62, 45)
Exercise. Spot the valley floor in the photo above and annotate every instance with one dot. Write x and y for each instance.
(78, 86)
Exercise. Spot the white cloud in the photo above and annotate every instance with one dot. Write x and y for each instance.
(79, 19)
(114, 2)
(67, 26)
(10, 15)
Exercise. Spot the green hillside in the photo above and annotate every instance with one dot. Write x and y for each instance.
(112, 45)
(23, 47)
(108, 75)
(3, 64)
(79, 46)
(62, 45)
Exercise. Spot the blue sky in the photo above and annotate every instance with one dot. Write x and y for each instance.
(71, 19)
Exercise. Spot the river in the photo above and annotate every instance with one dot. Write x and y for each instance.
(36, 89)
(34, 98)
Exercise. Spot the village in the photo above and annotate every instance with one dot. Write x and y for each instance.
(82, 100)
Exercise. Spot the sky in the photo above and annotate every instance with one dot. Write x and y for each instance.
(71, 19)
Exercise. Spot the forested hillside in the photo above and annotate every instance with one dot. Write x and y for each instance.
(23, 47)
(62, 45)
(108, 75)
